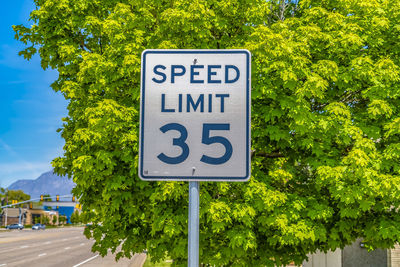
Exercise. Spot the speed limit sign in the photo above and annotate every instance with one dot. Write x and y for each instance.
(195, 115)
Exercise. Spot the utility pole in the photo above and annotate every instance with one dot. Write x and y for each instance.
(19, 218)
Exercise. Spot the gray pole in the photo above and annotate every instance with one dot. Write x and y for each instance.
(193, 244)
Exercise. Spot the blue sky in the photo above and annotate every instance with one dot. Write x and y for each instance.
(30, 111)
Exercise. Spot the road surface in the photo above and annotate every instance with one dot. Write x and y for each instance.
(55, 247)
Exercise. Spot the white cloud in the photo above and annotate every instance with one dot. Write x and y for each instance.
(20, 168)
(13, 171)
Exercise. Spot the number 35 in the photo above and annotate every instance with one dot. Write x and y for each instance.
(205, 139)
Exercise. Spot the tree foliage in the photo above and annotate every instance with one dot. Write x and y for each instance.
(45, 219)
(62, 219)
(47, 197)
(54, 220)
(75, 217)
(17, 195)
(325, 124)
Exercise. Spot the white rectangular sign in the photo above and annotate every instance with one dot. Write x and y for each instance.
(195, 115)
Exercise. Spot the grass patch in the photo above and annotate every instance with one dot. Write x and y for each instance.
(166, 263)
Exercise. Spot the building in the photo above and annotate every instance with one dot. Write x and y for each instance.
(64, 208)
(355, 255)
(28, 216)
(33, 212)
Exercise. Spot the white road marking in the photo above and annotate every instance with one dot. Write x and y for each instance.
(67, 248)
(82, 244)
(83, 262)
(3, 264)
(65, 239)
(43, 254)
(36, 243)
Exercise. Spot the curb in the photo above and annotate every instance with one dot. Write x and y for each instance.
(138, 260)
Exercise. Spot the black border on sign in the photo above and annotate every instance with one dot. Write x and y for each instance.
(142, 118)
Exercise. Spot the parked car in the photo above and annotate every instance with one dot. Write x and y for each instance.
(15, 226)
(38, 226)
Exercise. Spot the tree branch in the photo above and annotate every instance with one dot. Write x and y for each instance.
(345, 98)
(282, 8)
(82, 44)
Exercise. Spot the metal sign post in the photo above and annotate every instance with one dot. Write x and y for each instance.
(193, 230)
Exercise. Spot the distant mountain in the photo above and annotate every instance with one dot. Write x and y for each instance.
(47, 183)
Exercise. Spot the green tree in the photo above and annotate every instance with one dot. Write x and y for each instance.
(2, 197)
(325, 124)
(62, 219)
(18, 195)
(46, 220)
(47, 197)
(54, 221)
(72, 218)
(75, 218)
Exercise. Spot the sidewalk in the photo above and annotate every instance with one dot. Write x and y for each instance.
(138, 260)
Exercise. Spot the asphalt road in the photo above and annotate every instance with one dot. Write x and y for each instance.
(55, 247)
